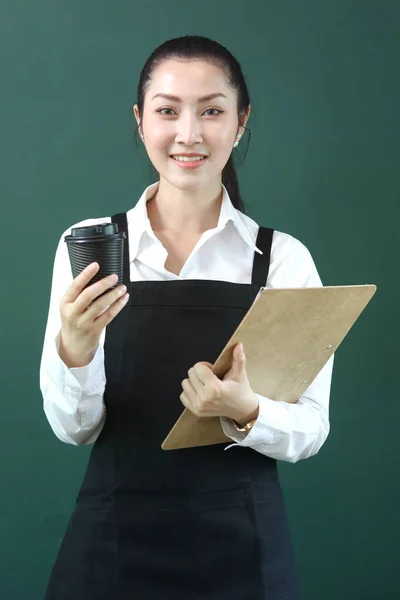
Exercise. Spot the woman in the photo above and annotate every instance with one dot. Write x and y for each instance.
(204, 522)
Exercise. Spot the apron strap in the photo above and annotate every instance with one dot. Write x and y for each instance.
(261, 261)
(121, 220)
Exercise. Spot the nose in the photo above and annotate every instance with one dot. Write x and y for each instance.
(188, 130)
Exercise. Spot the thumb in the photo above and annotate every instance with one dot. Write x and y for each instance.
(238, 368)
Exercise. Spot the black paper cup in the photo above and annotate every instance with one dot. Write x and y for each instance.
(101, 243)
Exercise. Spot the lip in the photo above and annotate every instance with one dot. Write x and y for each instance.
(188, 154)
(189, 164)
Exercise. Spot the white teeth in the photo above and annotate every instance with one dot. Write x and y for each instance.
(188, 158)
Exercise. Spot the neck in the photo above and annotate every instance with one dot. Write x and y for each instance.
(191, 211)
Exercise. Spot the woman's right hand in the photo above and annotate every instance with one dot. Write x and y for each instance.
(84, 315)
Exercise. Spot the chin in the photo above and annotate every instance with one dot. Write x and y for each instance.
(187, 181)
(191, 181)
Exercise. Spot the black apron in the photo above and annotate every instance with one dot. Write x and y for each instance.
(193, 524)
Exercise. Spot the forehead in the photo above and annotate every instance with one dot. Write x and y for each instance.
(188, 79)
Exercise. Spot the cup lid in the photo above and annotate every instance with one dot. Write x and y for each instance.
(94, 231)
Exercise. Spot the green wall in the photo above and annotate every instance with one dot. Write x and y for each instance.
(323, 166)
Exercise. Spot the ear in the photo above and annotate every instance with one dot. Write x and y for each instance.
(247, 115)
(243, 120)
(136, 113)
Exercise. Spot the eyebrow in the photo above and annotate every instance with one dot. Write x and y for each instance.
(202, 99)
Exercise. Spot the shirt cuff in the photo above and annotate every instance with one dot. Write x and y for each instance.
(261, 432)
(87, 379)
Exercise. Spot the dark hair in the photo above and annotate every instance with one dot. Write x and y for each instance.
(194, 47)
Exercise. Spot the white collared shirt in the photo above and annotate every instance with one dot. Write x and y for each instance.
(73, 398)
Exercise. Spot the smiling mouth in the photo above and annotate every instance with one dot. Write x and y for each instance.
(188, 159)
(189, 163)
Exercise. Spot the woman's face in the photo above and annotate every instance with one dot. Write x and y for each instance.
(189, 122)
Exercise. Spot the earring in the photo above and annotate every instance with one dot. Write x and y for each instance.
(237, 141)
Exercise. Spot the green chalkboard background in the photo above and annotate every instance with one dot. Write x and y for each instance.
(323, 165)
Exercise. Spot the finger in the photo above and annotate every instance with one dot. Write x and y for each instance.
(80, 281)
(195, 380)
(185, 401)
(92, 292)
(99, 305)
(239, 362)
(240, 355)
(204, 362)
(108, 315)
(204, 373)
(88, 296)
(189, 390)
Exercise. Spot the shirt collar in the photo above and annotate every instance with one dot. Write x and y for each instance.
(139, 222)
(229, 214)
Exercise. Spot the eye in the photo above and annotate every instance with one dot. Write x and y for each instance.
(160, 110)
(217, 111)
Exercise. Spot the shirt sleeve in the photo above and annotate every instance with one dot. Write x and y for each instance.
(72, 398)
(284, 431)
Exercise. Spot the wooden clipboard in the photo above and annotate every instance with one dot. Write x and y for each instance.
(288, 335)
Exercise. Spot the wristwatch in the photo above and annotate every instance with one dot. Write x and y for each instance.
(246, 427)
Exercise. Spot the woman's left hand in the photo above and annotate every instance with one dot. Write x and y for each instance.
(205, 395)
